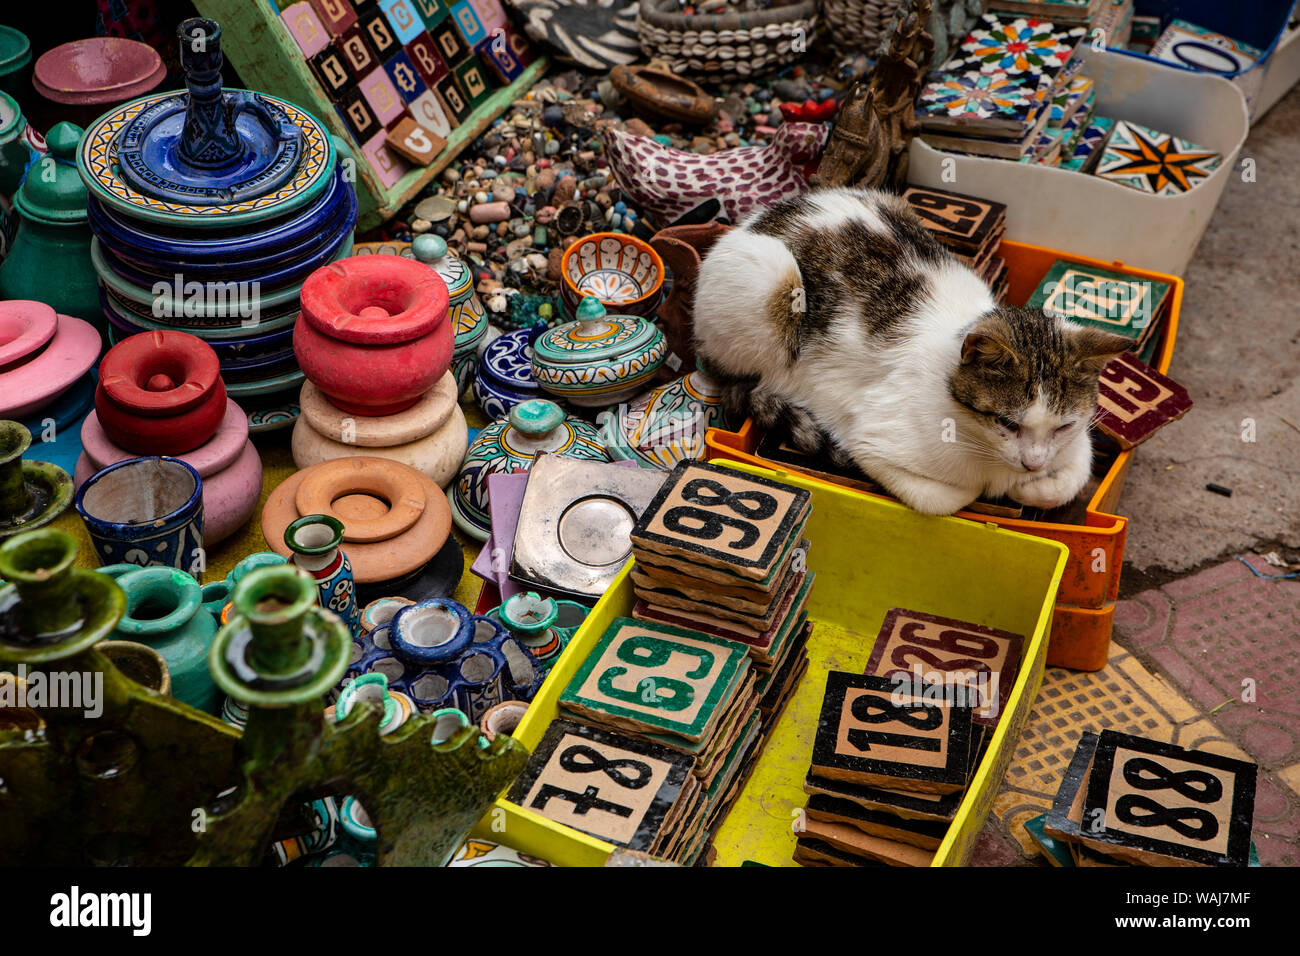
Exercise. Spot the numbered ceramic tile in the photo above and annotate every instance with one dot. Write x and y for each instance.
(358, 55)
(1155, 162)
(923, 648)
(331, 71)
(403, 17)
(414, 143)
(723, 518)
(926, 834)
(818, 853)
(448, 41)
(356, 112)
(1193, 46)
(575, 521)
(909, 805)
(424, 56)
(1018, 45)
(404, 77)
(1066, 814)
(382, 96)
(432, 12)
(610, 786)
(380, 34)
(337, 15)
(1163, 804)
(1100, 298)
(453, 100)
(305, 27)
(872, 733)
(652, 677)
(853, 841)
(1135, 400)
(388, 166)
(959, 222)
(467, 22)
(472, 82)
(428, 111)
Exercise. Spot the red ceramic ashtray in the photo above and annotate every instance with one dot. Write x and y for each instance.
(98, 70)
(160, 393)
(25, 327)
(373, 334)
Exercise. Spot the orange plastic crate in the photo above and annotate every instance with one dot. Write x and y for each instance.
(1085, 605)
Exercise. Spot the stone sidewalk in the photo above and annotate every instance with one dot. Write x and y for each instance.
(1208, 661)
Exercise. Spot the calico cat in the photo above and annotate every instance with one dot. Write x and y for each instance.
(840, 313)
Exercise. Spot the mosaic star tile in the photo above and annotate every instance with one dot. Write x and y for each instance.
(1019, 45)
(1155, 162)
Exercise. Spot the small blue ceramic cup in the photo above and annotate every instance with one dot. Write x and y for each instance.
(146, 511)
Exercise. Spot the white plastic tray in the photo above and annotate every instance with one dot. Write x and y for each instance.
(1061, 209)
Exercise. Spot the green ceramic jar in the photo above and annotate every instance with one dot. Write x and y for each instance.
(600, 359)
(164, 611)
(14, 153)
(50, 258)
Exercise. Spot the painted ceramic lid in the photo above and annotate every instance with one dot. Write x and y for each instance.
(25, 326)
(507, 360)
(98, 70)
(597, 338)
(15, 50)
(54, 192)
(11, 119)
(432, 251)
(374, 300)
(160, 373)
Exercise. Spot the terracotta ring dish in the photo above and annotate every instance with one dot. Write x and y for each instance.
(364, 476)
(392, 559)
(32, 384)
(25, 327)
(623, 272)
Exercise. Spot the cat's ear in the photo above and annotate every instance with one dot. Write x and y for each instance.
(987, 346)
(1094, 348)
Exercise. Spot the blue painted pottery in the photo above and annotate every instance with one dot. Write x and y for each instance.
(164, 609)
(128, 314)
(146, 511)
(257, 346)
(315, 542)
(290, 381)
(165, 243)
(432, 632)
(505, 372)
(259, 369)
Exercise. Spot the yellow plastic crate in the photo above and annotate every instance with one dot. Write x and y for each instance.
(870, 555)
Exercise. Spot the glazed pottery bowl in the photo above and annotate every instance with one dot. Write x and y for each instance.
(505, 373)
(374, 333)
(623, 272)
(145, 511)
(81, 79)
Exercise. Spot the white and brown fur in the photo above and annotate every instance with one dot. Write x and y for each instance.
(900, 361)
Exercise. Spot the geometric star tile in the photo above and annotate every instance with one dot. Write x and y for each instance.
(1155, 162)
(1001, 44)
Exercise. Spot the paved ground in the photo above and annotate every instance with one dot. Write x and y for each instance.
(1206, 651)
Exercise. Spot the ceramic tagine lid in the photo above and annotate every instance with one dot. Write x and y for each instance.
(511, 445)
(665, 425)
(469, 319)
(206, 156)
(599, 358)
(52, 191)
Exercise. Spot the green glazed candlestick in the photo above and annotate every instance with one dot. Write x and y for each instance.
(32, 493)
(279, 655)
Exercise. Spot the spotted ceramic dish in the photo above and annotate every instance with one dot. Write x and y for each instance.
(623, 272)
(97, 162)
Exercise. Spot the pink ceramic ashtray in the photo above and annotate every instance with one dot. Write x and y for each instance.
(25, 326)
(227, 462)
(33, 384)
(98, 70)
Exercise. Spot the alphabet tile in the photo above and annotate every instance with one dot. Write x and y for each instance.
(1135, 400)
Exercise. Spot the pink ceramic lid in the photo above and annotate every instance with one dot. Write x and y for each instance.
(212, 456)
(374, 300)
(98, 70)
(25, 326)
(34, 384)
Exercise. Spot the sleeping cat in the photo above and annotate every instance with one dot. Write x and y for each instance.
(838, 312)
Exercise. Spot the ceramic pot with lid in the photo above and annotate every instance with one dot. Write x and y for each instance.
(599, 359)
(469, 319)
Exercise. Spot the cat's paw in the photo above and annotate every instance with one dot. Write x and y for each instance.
(931, 497)
(1048, 491)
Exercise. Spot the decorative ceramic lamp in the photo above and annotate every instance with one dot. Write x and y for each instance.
(32, 493)
(395, 519)
(468, 318)
(600, 359)
(50, 257)
(505, 372)
(431, 436)
(43, 356)
(314, 541)
(665, 425)
(531, 619)
(535, 426)
(373, 334)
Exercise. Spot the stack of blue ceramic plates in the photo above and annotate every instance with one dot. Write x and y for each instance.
(209, 208)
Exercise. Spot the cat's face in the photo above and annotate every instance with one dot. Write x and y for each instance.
(1029, 381)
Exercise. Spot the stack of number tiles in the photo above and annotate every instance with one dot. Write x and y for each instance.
(896, 746)
(994, 97)
(673, 715)
(1127, 800)
(404, 73)
(971, 228)
(1135, 399)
